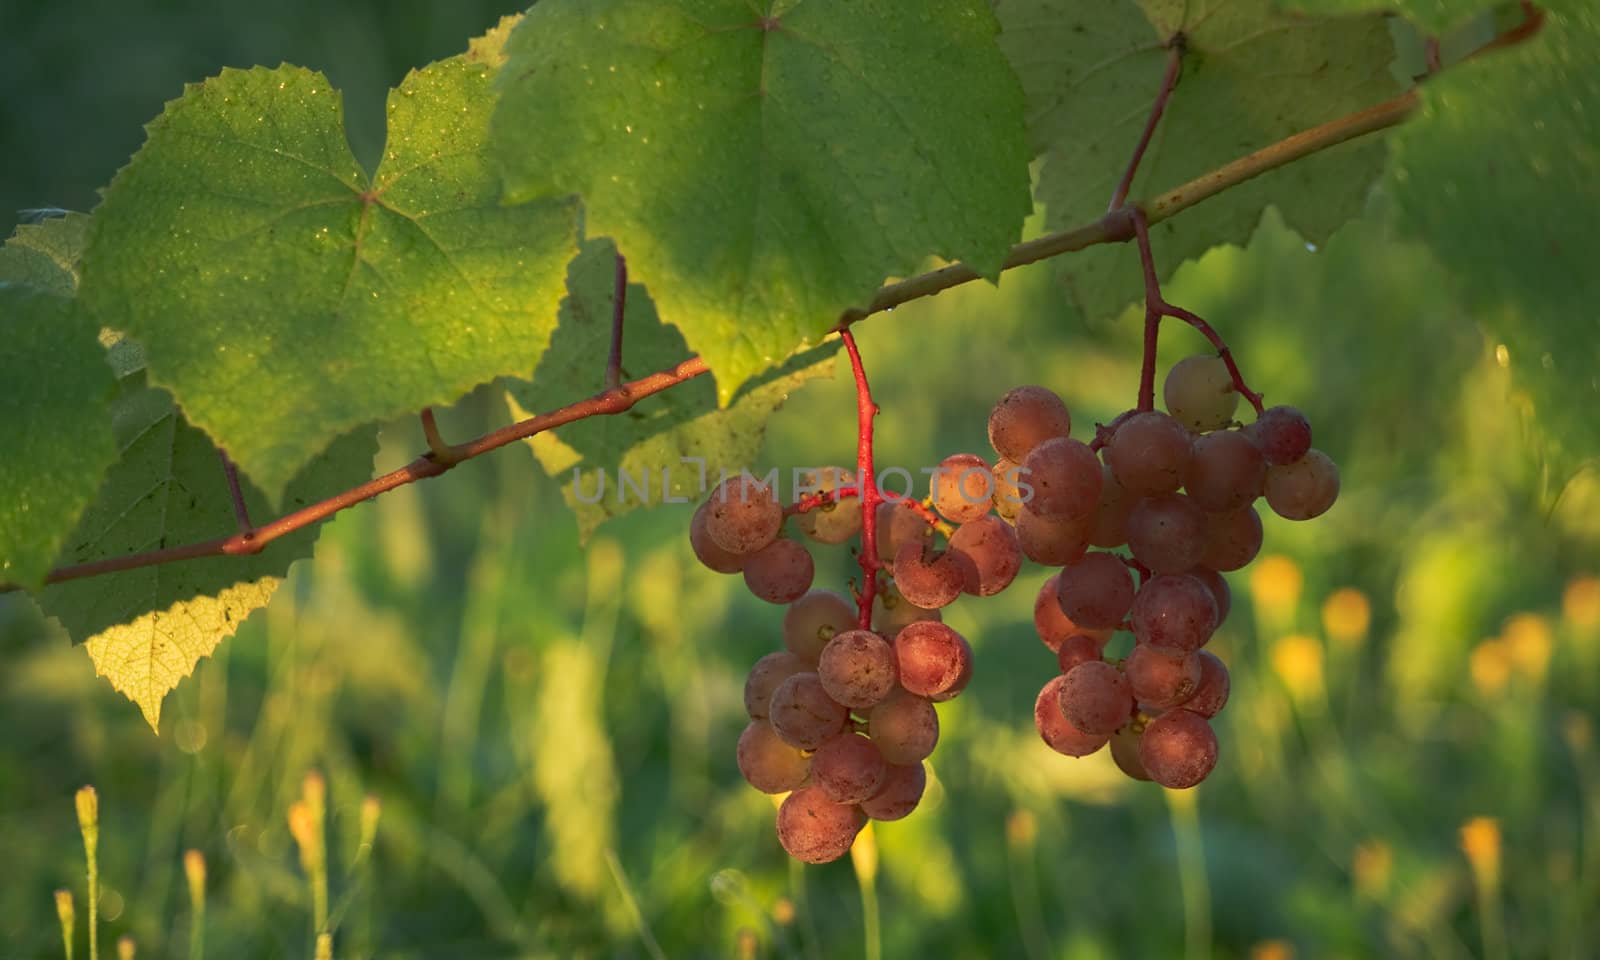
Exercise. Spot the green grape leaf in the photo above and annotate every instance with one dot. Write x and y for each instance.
(285, 297)
(1495, 175)
(1250, 78)
(45, 255)
(669, 446)
(766, 166)
(145, 629)
(1435, 16)
(54, 427)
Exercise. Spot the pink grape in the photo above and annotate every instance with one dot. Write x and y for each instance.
(1076, 649)
(1178, 749)
(898, 523)
(1199, 392)
(814, 829)
(1024, 418)
(1054, 727)
(857, 669)
(891, 612)
(1282, 433)
(1232, 539)
(706, 549)
(1125, 751)
(1095, 591)
(1219, 590)
(802, 712)
(1054, 541)
(1211, 695)
(1303, 489)
(933, 659)
(1065, 476)
(1149, 453)
(1008, 492)
(833, 522)
(987, 553)
(1174, 611)
(963, 488)
(767, 763)
(901, 792)
(905, 727)
(765, 677)
(1161, 677)
(928, 578)
(1167, 533)
(1109, 525)
(1095, 697)
(813, 620)
(1225, 473)
(742, 515)
(779, 572)
(1052, 623)
(848, 768)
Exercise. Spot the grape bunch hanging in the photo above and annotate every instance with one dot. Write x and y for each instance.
(843, 717)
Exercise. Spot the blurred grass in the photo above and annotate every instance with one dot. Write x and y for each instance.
(548, 728)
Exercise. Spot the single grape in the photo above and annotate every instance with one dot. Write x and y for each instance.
(905, 727)
(891, 612)
(1024, 418)
(1095, 697)
(857, 669)
(1008, 492)
(901, 792)
(706, 549)
(1065, 476)
(1149, 453)
(1095, 591)
(963, 488)
(1174, 610)
(779, 572)
(987, 554)
(1303, 489)
(814, 829)
(1125, 751)
(1161, 677)
(926, 577)
(1282, 433)
(1211, 695)
(1225, 473)
(1052, 623)
(1232, 539)
(765, 677)
(1199, 393)
(767, 763)
(802, 712)
(898, 523)
(813, 620)
(1109, 525)
(848, 768)
(1219, 590)
(1167, 533)
(933, 659)
(742, 516)
(1054, 727)
(1054, 541)
(1076, 649)
(1178, 749)
(833, 522)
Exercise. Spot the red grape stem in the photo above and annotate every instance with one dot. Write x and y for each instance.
(241, 512)
(814, 501)
(1156, 307)
(619, 302)
(1169, 80)
(866, 409)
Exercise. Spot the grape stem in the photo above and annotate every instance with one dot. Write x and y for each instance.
(866, 409)
(1169, 80)
(1118, 226)
(437, 448)
(241, 511)
(619, 301)
(1155, 307)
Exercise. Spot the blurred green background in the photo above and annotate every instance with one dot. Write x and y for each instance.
(1409, 766)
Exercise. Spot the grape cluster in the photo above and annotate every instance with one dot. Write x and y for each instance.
(1177, 489)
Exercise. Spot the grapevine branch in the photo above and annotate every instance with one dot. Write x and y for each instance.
(866, 409)
(1117, 226)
